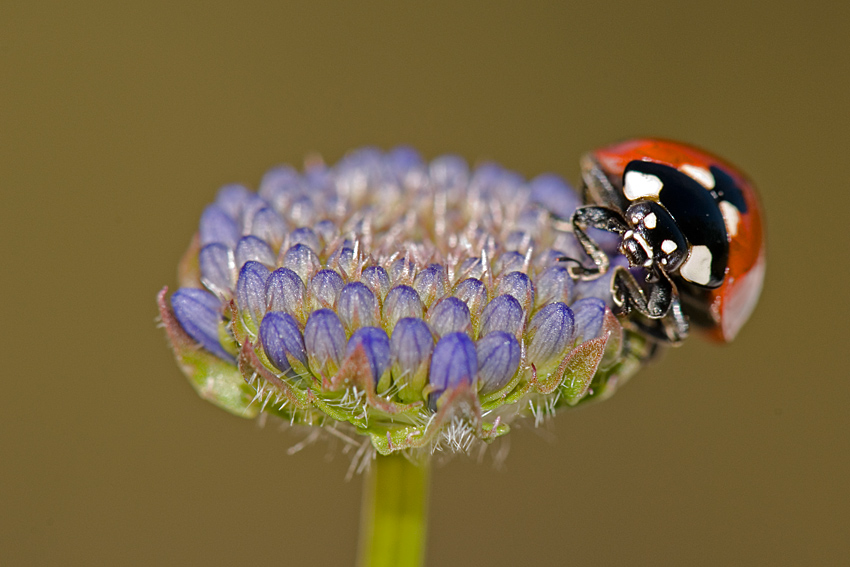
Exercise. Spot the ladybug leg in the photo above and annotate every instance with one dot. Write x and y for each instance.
(671, 329)
(595, 217)
(597, 187)
(661, 306)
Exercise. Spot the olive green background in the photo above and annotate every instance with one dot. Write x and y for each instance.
(119, 122)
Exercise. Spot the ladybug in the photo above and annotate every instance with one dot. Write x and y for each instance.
(690, 225)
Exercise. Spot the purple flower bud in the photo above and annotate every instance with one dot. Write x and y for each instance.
(318, 178)
(471, 268)
(279, 186)
(269, 226)
(402, 301)
(529, 221)
(324, 289)
(344, 259)
(246, 208)
(519, 286)
(550, 333)
(552, 193)
(376, 279)
(509, 262)
(449, 172)
(218, 268)
(589, 315)
(232, 198)
(327, 231)
(449, 315)
(251, 248)
(406, 164)
(404, 158)
(357, 307)
(376, 344)
(410, 348)
(357, 172)
(217, 226)
(301, 260)
(325, 341)
(302, 211)
(251, 291)
(453, 363)
(430, 283)
(305, 236)
(554, 284)
(285, 292)
(502, 314)
(492, 181)
(282, 340)
(519, 241)
(401, 269)
(485, 178)
(498, 360)
(199, 313)
(473, 292)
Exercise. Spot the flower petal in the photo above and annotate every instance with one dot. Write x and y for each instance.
(551, 192)
(554, 284)
(218, 268)
(357, 307)
(550, 333)
(410, 351)
(232, 198)
(251, 248)
(285, 292)
(519, 286)
(449, 315)
(376, 345)
(305, 236)
(502, 314)
(498, 360)
(430, 283)
(217, 226)
(376, 279)
(251, 292)
(282, 340)
(473, 292)
(199, 313)
(509, 262)
(454, 362)
(402, 301)
(301, 260)
(269, 226)
(324, 338)
(324, 289)
(589, 316)
(279, 186)
(449, 172)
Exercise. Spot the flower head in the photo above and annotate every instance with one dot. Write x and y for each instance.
(422, 305)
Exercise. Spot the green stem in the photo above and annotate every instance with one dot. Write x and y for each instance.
(395, 504)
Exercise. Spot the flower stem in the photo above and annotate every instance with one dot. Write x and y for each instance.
(395, 498)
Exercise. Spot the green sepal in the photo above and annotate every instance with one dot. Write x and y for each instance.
(214, 379)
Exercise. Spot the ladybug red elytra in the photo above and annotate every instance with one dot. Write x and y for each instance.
(689, 221)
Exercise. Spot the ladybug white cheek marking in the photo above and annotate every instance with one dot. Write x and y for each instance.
(639, 185)
(700, 174)
(647, 249)
(668, 246)
(731, 217)
(650, 220)
(697, 268)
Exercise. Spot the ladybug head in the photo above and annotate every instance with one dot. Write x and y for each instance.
(653, 238)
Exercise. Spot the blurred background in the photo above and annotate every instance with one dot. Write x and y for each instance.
(119, 122)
